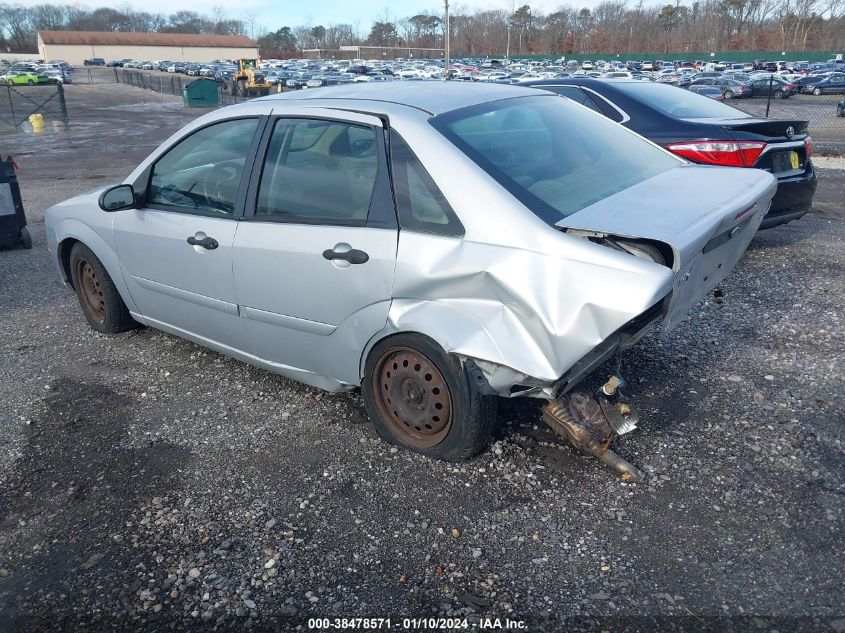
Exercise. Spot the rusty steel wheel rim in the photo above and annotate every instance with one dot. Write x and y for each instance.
(91, 292)
(412, 397)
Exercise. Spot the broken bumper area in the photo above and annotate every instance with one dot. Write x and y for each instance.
(591, 424)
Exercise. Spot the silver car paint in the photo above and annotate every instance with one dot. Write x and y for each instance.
(687, 227)
(521, 298)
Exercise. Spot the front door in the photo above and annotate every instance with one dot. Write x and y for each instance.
(315, 253)
(176, 251)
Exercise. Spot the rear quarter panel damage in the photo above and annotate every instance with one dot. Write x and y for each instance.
(534, 312)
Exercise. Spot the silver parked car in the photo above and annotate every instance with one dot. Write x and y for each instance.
(437, 245)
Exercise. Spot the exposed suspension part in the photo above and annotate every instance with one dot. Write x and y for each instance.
(591, 424)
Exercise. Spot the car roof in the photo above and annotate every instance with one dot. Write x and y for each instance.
(432, 97)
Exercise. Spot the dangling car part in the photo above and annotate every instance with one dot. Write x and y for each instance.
(591, 424)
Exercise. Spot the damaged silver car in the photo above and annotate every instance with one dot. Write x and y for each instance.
(437, 245)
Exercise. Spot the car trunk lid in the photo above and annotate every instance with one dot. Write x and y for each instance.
(706, 215)
(773, 129)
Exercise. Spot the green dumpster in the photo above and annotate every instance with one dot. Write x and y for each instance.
(202, 93)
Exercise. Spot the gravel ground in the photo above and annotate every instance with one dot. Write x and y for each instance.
(146, 483)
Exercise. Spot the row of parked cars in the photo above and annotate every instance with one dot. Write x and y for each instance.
(33, 74)
(740, 84)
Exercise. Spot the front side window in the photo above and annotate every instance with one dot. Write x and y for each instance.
(318, 171)
(202, 173)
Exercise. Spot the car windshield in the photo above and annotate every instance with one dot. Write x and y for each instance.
(678, 102)
(555, 156)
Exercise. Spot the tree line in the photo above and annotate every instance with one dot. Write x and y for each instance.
(613, 26)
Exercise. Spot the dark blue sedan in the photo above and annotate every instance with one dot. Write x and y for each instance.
(706, 131)
(831, 85)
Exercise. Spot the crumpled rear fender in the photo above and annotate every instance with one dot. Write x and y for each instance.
(532, 312)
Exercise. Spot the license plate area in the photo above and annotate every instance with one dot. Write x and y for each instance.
(786, 161)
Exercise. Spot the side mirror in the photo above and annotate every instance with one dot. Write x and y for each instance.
(117, 198)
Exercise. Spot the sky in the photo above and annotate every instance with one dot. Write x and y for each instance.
(272, 14)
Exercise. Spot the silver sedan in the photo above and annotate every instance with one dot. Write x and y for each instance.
(437, 245)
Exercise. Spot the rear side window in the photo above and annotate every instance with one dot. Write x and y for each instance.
(555, 157)
(318, 171)
(678, 102)
(419, 202)
(574, 93)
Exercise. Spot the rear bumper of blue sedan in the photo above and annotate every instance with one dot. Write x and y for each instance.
(794, 197)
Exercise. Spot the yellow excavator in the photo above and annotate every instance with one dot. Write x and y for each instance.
(248, 80)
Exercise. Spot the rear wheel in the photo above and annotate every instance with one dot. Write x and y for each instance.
(728, 94)
(778, 94)
(420, 398)
(100, 302)
(817, 92)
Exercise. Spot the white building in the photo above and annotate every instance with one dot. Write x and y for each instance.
(77, 46)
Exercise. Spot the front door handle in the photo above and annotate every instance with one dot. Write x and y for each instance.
(353, 256)
(206, 242)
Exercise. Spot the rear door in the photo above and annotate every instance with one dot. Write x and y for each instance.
(314, 256)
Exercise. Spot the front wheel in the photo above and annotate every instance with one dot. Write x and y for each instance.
(420, 398)
(101, 304)
(817, 92)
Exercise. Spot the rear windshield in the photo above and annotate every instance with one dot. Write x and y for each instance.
(678, 102)
(555, 156)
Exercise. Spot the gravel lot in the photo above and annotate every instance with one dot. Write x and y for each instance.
(146, 483)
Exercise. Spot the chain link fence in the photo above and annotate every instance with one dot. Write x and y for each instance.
(32, 106)
(826, 126)
(163, 83)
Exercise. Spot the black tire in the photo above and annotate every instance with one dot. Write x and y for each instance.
(30, 82)
(840, 111)
(472, 414)
(112, 316)
(817, 92)
(26, 238)
(728, 94)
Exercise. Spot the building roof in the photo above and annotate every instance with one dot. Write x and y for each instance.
(103, 38)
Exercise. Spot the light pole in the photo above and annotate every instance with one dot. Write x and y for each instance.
(510, 19)
(446, 41)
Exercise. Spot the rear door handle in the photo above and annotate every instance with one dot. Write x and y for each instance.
(353, 256)
(206, 242)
